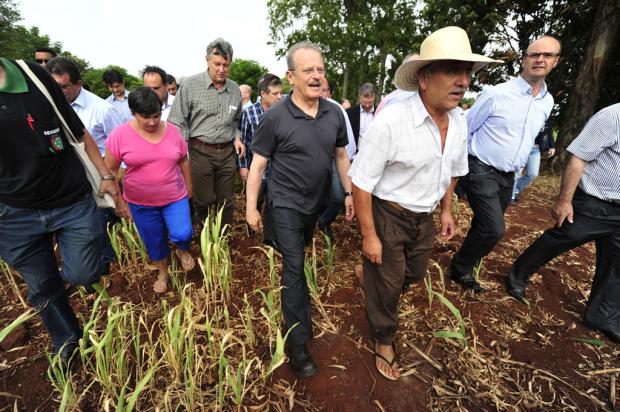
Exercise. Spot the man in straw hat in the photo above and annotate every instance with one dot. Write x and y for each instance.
(503, 124)
(406, 166)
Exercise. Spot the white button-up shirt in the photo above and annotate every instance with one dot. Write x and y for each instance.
(98, 116)
(400, 158)
(165, 108)
(365, 119)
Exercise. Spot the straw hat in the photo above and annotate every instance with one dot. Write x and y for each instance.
(449, 43)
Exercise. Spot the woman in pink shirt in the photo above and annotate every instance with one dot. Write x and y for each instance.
(157, 183)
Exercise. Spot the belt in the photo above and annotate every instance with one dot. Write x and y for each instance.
(198, 142)
(402, 209)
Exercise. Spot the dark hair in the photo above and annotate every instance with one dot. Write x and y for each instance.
(220, 47)
(144, 101)
(158, 70)
(267, 81)
(329, 85)
(170, 79)
(62, 65)
(46, 50)
(112, 76)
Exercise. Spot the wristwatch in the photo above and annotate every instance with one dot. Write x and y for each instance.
(348, 194)
(107, 177)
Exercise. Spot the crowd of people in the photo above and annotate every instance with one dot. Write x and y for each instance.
(178, 147)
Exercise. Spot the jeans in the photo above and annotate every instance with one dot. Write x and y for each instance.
(26, 245)
(156, 223)
(294, 231)
(488, 192)
(336, 199)
(531, 171)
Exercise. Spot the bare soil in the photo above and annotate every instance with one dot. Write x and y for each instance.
(517, 358)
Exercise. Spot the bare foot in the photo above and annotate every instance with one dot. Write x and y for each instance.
(161, 284)
(385, 361)
(187, 261)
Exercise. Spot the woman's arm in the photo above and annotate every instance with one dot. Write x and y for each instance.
(187, 176)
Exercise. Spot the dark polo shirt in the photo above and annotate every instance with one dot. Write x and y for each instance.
(301, 149)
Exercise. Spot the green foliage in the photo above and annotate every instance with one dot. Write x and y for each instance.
(247, 72)
(94, 79)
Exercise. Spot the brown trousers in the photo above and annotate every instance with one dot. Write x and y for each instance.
(407, 241)
(213, 180)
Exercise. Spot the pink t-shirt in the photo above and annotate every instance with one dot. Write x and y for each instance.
(153, 176)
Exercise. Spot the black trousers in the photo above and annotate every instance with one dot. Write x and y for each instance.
(594, 219)
(488, 192)
(293, 232)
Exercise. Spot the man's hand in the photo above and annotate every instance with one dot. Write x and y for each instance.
(447, 224)
(239, 147)
(243, 173)
(550, 153)
(372, 248)
(254, 220)
(349, 208)
(110, 187)
(562, 210)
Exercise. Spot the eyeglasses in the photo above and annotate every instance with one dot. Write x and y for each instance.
(41, 61)
(307, 72)
(546, 55)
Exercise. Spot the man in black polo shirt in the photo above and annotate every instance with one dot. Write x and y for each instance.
(301, 135)
(44, 192)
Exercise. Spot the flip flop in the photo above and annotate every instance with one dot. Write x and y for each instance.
(188, 262)
(390, 364)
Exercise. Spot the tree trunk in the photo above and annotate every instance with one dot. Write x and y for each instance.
(381, 84)
(345, 83)
(589, 80)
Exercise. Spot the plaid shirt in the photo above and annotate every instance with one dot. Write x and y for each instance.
(250, 118)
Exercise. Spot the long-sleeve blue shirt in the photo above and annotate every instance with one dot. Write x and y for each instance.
(504, 122)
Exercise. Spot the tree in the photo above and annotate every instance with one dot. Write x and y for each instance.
(247, 72)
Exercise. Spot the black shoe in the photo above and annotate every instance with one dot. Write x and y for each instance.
(469, 282)
(301, 362)
(327, 230)
(516, 292)
(612, 335)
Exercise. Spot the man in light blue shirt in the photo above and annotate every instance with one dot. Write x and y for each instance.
(503, 124)
(99, 118)
(118, 99)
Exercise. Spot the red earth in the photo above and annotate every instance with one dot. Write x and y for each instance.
(516, 359)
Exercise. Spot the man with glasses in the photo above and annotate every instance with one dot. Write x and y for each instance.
(503, 124)
(300, 136)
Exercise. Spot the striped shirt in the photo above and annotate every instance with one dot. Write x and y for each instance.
(250, 118)
(400, 159)
(599, 145)
(200, 111)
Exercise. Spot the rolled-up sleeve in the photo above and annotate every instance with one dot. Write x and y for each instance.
(597, 135)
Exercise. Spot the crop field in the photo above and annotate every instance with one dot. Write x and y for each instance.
(215, 341)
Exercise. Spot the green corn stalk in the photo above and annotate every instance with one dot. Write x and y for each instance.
(277, 357)
(477, 269)
(428, 282)
(140, 387)
(9, 274)
(446, 334)
(6, 331)
(115, 241)
(329, 255)
(62, 381)
(246, 318)
(442, 280)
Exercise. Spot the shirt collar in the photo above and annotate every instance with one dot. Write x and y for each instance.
(80, 100)
(362, 111)
(297, 112)
(419, 110)
(209, 81)
(525, 88)
(14, 81)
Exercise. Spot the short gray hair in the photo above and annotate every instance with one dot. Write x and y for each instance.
(298, 46)
(220, 47)
(367, 89)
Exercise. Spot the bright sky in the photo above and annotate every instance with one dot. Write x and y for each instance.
(172, 34)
